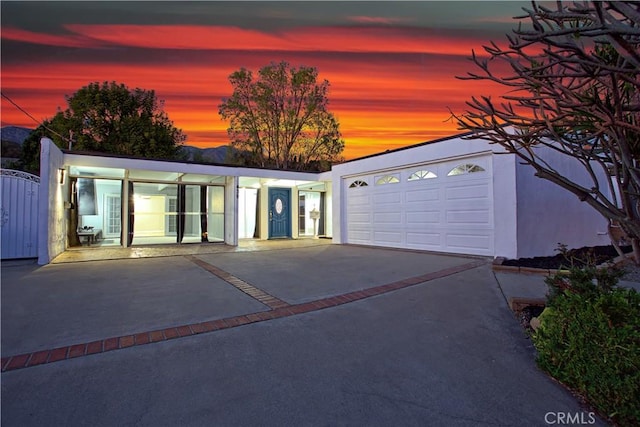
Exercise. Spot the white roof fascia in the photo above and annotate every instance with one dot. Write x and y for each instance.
(180, 167)
(427, 153)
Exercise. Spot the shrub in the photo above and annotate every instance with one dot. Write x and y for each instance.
(589, 339)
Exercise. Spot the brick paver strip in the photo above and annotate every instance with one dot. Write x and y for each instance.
(258, 294)
(278, 310)
(156, 336)
(142, 338)
(127, 341)
(58, 354)
(197, 328)
(17, 362)
(38, 358)
(77, 350)
(184, 331)
(170, 333)
(110, 344)
(94, 347)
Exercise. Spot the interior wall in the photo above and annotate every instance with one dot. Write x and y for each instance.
(215, 213)
(247, 200)
(104, 187)
(505, 227)
(312, 200)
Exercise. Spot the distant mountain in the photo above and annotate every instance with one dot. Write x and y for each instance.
(12, 139)
(14, 134)
(205, 155)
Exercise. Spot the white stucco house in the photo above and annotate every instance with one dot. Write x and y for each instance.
(450, 195)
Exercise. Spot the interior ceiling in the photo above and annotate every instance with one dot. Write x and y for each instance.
(252, 182)
(149, 175)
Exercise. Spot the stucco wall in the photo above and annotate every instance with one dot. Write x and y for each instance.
(52, 235)
(549, 214)
(505, 206)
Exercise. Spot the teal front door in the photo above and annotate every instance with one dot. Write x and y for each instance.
(279, 213)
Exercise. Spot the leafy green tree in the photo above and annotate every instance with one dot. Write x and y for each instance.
(573, 80)
(109, 118)
(281, 118)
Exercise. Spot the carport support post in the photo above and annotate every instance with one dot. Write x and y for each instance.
(124, 211)
(231, 195)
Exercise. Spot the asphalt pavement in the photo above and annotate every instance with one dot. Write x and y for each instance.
(330, 335)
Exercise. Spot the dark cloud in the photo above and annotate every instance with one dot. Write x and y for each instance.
(265, 15)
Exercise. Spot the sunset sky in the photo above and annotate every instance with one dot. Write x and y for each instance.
(391, 65)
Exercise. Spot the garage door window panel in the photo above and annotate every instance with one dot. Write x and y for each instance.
(387, 179)
(465, 169)
(421, 174)
(358, 183)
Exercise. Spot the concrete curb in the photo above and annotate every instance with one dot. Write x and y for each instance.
(497, 265)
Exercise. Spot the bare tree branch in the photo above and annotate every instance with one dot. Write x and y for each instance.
(574, 89)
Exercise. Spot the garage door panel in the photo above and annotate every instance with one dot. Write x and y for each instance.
(416, 219)
(360, 200)
(468, 217)
(384, 198)
(387, 237)
(432, 240)
(472, 240)
(420, 207)
(360, 236)
(386, 207)
(430, 195)
(468, 193)
(359, 218)
(390, 218)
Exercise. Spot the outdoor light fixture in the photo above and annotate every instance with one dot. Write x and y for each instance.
(61, 173)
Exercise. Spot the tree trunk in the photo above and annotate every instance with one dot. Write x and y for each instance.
(635, 245)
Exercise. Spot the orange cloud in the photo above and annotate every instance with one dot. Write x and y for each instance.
(324, 39)
(71, 40)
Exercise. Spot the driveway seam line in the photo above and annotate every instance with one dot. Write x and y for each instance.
(40, 357)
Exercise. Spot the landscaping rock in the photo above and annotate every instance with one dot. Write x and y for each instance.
(535, 323)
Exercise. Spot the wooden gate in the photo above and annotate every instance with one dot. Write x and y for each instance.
(19, 214)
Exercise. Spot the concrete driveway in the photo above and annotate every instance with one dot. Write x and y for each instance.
(321, 335)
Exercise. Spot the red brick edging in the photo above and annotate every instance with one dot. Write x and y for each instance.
(258, 294)
(102, 346)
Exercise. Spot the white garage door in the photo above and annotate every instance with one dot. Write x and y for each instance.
(446, 207)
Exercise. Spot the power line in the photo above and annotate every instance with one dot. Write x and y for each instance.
(21, 109)
(34, 119)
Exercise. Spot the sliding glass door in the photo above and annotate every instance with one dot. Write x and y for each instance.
(176, 213)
